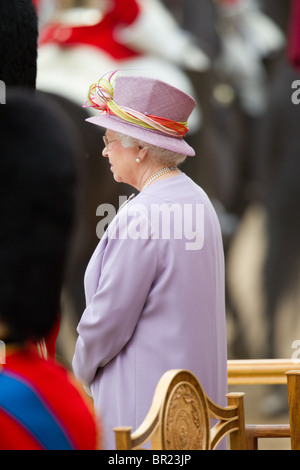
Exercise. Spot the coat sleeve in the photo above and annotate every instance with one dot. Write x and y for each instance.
(128, 269)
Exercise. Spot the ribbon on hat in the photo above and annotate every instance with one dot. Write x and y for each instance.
(100, 97)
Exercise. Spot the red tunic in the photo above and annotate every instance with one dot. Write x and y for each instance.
(42, 407)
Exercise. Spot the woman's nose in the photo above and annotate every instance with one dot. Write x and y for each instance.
(105, 152)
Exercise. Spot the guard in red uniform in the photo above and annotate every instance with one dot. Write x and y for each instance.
(41, 405)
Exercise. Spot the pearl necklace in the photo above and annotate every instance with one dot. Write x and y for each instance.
(158, 174)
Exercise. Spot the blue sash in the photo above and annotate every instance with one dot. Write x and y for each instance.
(22, 402)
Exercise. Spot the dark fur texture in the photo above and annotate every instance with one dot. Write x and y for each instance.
(18, 43)
(37, 209)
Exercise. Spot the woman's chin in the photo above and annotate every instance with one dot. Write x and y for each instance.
(117, 178)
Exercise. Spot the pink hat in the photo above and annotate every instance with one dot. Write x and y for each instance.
(144, 108)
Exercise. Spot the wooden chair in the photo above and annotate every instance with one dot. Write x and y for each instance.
(291, 430)
(269, 372)
(179, 418)
(293, 384)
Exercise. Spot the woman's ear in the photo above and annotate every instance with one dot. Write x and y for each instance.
(142, 152)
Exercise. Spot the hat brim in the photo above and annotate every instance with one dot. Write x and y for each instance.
(175, 144)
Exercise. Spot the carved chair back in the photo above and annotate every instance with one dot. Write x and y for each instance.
(180, 418)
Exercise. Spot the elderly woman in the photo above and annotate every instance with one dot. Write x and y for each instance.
(155, 283)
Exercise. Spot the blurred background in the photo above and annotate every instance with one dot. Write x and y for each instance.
(238, 59)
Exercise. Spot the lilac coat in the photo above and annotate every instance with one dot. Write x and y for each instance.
(154, 301)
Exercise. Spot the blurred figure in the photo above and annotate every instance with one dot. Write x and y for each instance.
(198, 18)
(40, 405)
(248, 36)
(266, 246)
(81, 43)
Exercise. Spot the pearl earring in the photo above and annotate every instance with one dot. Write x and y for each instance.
(138, 160)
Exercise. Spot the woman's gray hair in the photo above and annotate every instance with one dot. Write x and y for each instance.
(163, 156)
